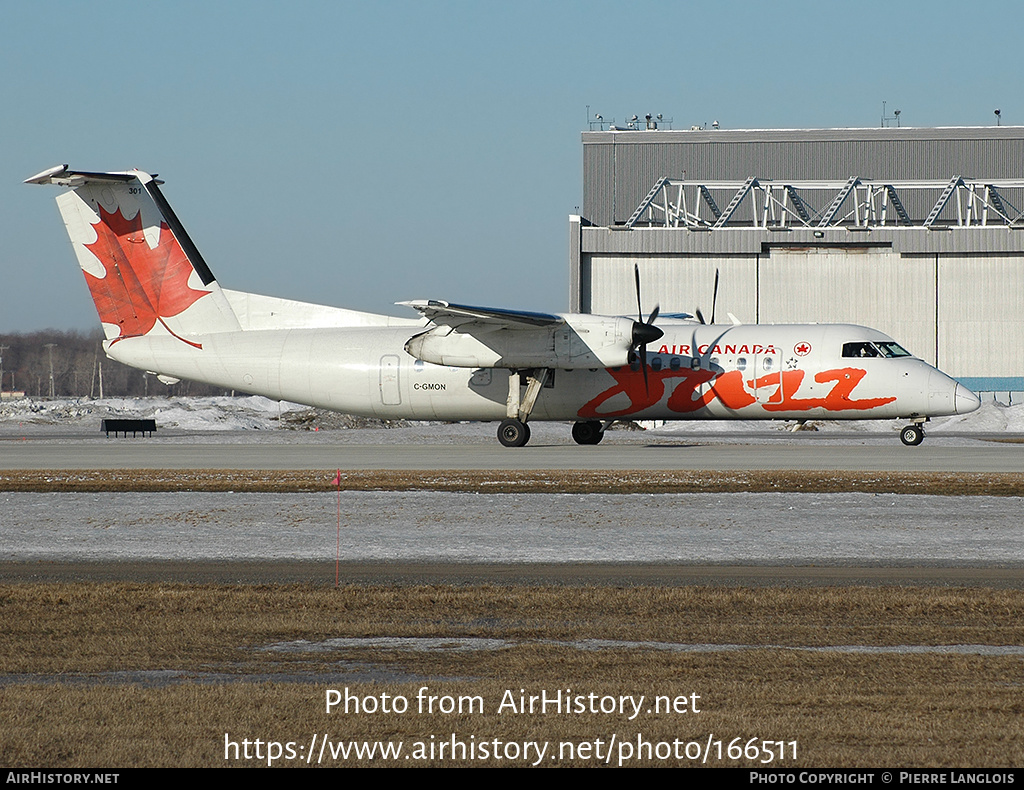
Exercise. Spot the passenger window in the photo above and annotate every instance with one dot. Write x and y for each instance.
(674, 363)
(656, 363)
(741, 363)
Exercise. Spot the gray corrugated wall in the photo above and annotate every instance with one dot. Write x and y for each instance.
(959, 307)
(973, 330)
(620, 167)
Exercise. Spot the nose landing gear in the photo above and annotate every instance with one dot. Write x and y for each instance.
(913, 435)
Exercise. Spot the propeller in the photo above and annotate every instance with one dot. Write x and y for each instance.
(714, 298)
(644, 332)
(705, 358)
(714, 302)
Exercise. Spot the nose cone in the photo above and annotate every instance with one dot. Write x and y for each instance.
(965, 401)
(947, 396)
(645, 333)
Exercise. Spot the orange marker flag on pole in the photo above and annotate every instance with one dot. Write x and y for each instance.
(337, 555)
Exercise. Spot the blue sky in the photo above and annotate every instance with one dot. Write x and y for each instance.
(358, 154)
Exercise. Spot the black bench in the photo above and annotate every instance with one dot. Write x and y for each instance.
(123, 426)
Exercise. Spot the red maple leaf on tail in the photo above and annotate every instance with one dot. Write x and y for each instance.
(142, 285)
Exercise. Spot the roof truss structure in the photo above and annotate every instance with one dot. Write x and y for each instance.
(857, 202)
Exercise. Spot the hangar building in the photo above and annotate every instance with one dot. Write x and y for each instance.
(916, 232)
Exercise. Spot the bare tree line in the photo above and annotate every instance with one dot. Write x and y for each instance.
(78, 364)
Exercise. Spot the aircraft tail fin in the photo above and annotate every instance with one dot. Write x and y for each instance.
(144, 272)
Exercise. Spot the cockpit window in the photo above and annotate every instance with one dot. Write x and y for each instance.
(860, 350)
(887, 349)
(893, 349)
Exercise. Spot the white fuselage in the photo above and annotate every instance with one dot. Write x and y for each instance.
(163, 311)
(695, 372)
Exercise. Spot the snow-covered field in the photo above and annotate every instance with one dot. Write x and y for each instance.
(741, 528)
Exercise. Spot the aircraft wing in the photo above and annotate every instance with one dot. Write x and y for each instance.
(446, 313)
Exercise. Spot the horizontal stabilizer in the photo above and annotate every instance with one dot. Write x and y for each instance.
(62, 176)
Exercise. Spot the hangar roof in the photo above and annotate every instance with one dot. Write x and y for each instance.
(620, 167)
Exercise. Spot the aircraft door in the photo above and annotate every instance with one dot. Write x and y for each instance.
(390, 391)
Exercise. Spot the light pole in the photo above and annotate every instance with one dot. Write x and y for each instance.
(49, 347)
(2, 350)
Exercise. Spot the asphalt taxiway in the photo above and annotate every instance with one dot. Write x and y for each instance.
(550, 448)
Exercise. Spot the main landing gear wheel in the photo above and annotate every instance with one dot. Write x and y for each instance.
(513, 433)
(588, 432)
(912, 435)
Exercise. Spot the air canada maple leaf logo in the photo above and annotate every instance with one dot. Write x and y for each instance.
(142, 285)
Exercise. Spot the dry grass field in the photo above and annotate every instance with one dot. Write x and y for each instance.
(643, 481)
(119, 675)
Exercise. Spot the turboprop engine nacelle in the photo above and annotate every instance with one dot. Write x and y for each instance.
(582, 341)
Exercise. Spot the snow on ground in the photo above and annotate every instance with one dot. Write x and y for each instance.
(743, 528)
(250, 412)
(255, 413)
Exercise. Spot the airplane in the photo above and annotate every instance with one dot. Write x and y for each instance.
(164, 312)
